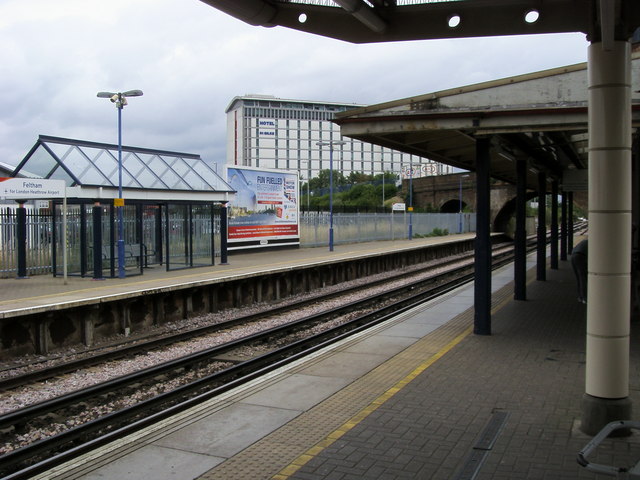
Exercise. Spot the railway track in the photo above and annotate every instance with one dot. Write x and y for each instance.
(97, 356)
(233, 366)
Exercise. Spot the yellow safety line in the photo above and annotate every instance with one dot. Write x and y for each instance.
(299, 462)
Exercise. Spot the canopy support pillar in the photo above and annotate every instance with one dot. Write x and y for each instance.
(606, 395)
(482, 285)
(554, 225)
(563, 227)
(541, 248)
(520, 248)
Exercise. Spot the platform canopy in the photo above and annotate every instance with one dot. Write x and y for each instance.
(540, 116)
(368, 21)
(90, 170)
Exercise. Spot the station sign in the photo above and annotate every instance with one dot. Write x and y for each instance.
(26, 188)
(419, 171)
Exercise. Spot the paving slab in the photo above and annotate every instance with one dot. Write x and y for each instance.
(228, 431)
(297, 392)
(157, 463)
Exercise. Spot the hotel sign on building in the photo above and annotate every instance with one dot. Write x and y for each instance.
(266, 128)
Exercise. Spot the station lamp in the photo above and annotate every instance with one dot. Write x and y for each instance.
(120, 99)
(330, 144)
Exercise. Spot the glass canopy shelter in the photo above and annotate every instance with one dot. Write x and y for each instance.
(174, 206)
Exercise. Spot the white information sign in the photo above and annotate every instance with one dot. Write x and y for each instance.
(31, 188)
(25, 188)
(398, 207)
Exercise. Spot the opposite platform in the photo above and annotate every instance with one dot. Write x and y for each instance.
(46, 291)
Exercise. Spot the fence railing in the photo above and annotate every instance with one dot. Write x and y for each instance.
(314, 232)
(367, 227)
(39, 238)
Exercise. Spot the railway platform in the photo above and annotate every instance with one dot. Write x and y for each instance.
(419, 397)
(43, 314)
(48, 291)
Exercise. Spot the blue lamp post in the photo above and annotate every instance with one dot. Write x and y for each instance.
(119, 98)
(411, 197)
(330, 144)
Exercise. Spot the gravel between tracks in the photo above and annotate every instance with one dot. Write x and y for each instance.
(38, 392)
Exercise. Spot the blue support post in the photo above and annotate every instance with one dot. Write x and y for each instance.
(97, 241)
(520, 261)
(330, 197)
(223, 234)
(541, 250)
(21, 239)
(482, 285)
(119, 207)
(554, 225)
(563, 228)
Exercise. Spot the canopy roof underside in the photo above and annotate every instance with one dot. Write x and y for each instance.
(368, 21)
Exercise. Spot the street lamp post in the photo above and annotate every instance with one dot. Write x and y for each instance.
(411, 198)
(330, 144)
(308, 186)
(382, 163)
(460, 203)
(120, 99)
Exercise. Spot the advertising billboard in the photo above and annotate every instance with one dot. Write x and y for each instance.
(265, 210)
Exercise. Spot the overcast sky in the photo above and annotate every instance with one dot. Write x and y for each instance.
(191, 60)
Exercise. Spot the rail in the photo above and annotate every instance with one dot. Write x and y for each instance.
(54, 450)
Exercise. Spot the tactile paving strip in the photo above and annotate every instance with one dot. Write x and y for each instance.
(281, 453)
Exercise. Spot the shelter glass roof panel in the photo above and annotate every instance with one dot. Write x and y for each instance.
(172, 174)
(209, 175)
(61, 174)
(96, 164)
(193, 179)
(41, 163)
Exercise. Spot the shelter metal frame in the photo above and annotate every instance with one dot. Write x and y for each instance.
(154, 180)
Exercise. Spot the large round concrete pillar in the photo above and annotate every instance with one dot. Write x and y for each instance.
(609, 257)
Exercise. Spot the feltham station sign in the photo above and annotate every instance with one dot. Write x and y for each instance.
(25, 188)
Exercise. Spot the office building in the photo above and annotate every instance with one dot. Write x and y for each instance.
(268, 132)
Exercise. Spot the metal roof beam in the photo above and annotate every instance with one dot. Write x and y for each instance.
(253, 12)
(364, 13)
(388, 22)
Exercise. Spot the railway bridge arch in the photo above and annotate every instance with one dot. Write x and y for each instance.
(445, 193)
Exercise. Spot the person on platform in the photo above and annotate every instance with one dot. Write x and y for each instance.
(579, 264)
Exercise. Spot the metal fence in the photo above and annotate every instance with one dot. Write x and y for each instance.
(39, 237)
(314, 232)
(367, 227)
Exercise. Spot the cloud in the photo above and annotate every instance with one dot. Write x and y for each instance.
(191, 60)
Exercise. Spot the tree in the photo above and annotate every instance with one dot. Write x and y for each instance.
(366, 190)
(322, 180)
